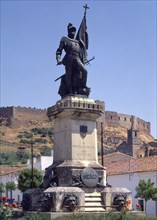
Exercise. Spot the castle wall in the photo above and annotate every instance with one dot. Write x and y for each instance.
(115, 119)
(24, 115)
(29, 113)
(7, 112)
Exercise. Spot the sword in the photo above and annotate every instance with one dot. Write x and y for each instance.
(86, 62)
(59, 77)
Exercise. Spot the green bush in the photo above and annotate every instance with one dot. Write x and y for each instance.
(106, 216)
(40, 140)
(25, 179)
(32, 216)
(25, 135)
(5, 212)
(94, 216)
(8, 158)
(24, 141)
(45, 151)
(43, 131)
(22, 155)
(5, 209)
(12, 158)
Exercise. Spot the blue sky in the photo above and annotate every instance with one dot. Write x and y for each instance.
(122, 37)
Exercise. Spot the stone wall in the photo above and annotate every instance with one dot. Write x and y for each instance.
(24, 115)
(7, 112)
(118, 119)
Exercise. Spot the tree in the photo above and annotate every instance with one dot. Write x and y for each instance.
(2, 189)
(25, 179)
(10, 186)
(146, 191)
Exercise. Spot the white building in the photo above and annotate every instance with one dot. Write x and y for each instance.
(125, 171)
(10, 174)
(40, 163)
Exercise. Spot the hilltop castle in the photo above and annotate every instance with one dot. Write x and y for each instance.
(23, 116)
(16, 116)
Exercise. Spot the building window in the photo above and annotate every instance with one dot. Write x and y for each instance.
(18, 198)
(141, 203)
(119, 118)
(124, 119)
(135, 133)
(111, 117)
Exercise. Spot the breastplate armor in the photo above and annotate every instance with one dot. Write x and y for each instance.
(72, 46)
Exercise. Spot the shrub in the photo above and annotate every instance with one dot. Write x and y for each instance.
(5, 209)
(25, 135)
(8, 158)
(43, 131)
(40, 140)
(45, 151)
(33, 216)
(24, 141)
(22, 155)
(106, 216)
(25, 179)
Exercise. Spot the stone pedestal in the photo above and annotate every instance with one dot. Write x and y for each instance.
(75, 139)
(76, 181)
(108, 195)
(64, 197)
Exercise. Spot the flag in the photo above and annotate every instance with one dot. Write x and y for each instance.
(82, 37)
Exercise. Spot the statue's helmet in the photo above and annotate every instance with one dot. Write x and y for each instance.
(71, 28)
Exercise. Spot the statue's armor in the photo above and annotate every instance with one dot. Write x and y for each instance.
(71, 47)
(74, 81)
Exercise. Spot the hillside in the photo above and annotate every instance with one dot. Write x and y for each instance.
(42, 135)
(12, 138)
(21, 127)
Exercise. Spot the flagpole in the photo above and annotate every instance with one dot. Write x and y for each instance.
(85, 7)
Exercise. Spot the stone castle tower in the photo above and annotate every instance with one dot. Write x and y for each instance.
(133, 138)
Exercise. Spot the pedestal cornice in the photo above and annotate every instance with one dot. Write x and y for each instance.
(76, 106)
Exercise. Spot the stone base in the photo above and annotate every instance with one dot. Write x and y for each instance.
(65, 199)
(75, 130)
(69, 173)
(108, 195)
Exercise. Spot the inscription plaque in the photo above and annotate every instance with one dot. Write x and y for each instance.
(89, 177)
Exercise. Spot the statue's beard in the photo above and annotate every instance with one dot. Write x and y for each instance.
(71, 35)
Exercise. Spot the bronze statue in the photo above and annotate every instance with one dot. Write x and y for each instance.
(75, 78)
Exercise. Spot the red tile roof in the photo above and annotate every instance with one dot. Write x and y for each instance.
(5, 170)
(116, 156)
(144, 164)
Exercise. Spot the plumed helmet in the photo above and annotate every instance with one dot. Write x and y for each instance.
(70, 27)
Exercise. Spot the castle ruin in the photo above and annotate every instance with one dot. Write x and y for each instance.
(17, 116)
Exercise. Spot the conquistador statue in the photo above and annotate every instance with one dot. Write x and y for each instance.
(75, 78)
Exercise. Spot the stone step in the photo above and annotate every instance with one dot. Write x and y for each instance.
(95, 194)
(93, 199)
(94, 209)
(93, 204)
